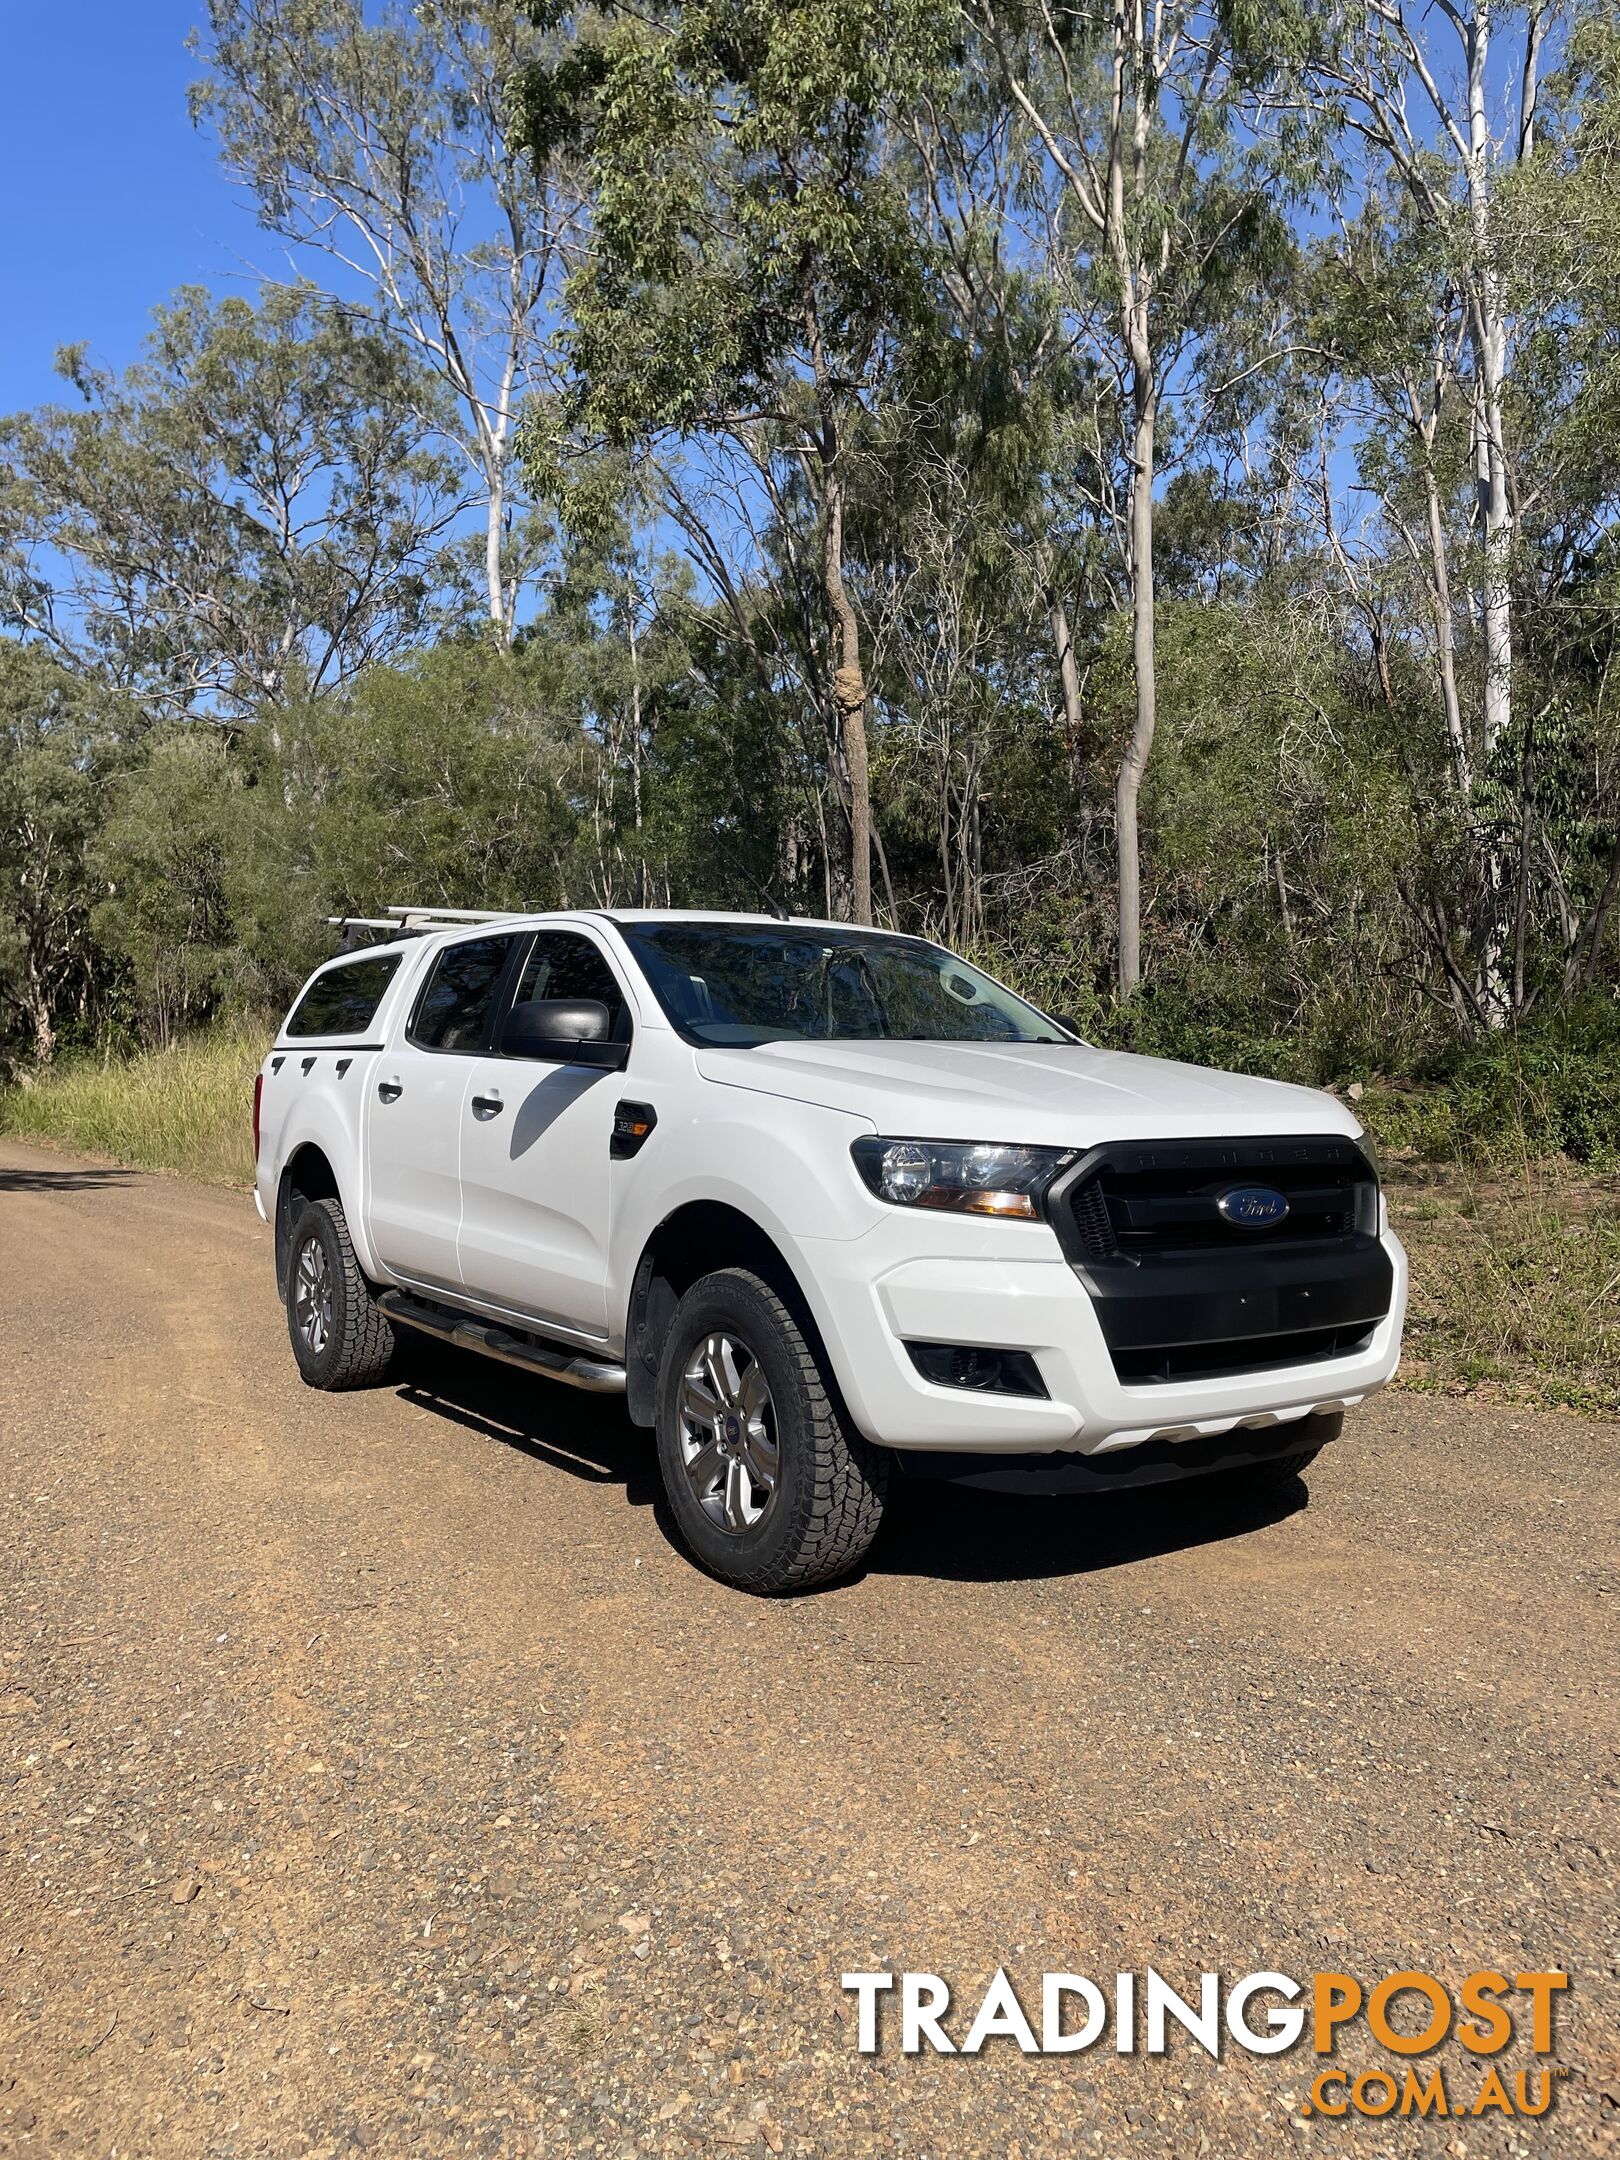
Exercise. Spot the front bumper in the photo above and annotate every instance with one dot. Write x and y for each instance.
(1008, 1287)
(1154, 1462)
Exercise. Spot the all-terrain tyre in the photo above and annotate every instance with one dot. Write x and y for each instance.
(771, 1487)
(339, 1337)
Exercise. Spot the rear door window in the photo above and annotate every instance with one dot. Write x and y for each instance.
(454, 1007)
(344, 1000)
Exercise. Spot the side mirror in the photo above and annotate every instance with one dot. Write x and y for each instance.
(563, 1031)
(1064, 1020)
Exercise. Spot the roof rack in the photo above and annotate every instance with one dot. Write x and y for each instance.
(407, 922)
(453, 914)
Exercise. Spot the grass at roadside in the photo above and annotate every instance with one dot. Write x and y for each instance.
(1515, 1282)
(187, 1109)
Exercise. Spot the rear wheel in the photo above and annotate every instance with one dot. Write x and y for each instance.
(339, 1337)
(772, 1488)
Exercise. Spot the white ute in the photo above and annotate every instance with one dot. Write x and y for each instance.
(821, 1203)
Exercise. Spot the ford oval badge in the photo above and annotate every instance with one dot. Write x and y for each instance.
(1253, 1207)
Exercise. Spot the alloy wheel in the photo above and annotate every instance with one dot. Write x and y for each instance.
(729, 1445)
(312, 1296)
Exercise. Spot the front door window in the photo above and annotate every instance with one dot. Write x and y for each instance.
(452, 1012)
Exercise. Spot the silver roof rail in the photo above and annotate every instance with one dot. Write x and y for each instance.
(355, 929)
(452, 914)
(410, 922)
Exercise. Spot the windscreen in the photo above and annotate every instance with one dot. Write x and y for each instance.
(752, 983)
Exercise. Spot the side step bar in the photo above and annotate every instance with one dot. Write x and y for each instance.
(596, 1375)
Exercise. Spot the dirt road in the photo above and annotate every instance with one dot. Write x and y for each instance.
(375, 1775)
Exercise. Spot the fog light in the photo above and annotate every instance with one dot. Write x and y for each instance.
(985, 1372)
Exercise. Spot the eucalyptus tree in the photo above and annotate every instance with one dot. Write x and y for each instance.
(991, 557)
(247, 506)
(376, 145)
(1383, 364)
(1559, 215)
(950, 617)
(608, 652)
(1438, 127)
(1167, 164)
(752, 265)
(52, 732)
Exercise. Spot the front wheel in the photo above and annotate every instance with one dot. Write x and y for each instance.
(339, 1337)
(772, 1488)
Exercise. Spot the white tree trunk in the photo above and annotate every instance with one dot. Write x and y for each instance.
(1488, 342)
(1445, 639)
(1057, 615)
(1128, 787)
(494, 529)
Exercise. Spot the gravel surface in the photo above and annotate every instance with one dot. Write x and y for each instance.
(374, 1775)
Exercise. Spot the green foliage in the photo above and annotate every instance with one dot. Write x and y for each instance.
(835, 309)
(51, 727)
(735, 191)
(1553, 1090)
(450, 776)
(248, 507)
(375, 142)
(186, 1108)
(166, 860)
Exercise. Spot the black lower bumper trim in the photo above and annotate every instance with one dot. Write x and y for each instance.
(1161, 1363)
(1175, 1301)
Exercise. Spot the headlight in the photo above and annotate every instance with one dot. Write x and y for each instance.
(959, 1176)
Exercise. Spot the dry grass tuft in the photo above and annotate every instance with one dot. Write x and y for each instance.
(1515, 1282)
(188, 1109)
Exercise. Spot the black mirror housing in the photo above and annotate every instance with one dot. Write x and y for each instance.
(563, 1031)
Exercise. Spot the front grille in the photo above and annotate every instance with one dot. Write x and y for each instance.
(1136, 1200)
(1183, 1293)
(1093, 1221)
(1254, 1353)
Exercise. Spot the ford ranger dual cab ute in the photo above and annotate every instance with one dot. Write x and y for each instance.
(821, 1203)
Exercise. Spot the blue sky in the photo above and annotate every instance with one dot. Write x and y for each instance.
(110, 197)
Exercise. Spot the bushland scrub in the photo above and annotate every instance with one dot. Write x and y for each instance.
(188, 1108)
(1515, 1282)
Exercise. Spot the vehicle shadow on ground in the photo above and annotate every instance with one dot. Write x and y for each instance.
(78, 1179)
(956, 1534)
(589, 1436)
(949, 1532)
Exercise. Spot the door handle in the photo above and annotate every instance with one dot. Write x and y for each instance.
(389, 1090)
(487, 1106)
